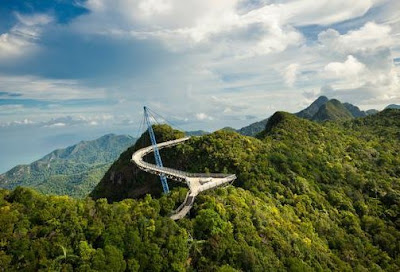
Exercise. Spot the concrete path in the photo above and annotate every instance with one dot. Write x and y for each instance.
(197, 182)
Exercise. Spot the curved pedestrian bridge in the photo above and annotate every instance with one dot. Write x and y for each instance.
(197, 182)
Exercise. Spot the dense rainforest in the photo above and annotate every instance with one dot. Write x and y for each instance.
(309, 197)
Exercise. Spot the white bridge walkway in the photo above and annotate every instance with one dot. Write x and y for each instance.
(197, 182)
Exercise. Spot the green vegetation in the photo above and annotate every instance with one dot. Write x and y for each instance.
(72, 171)
(123, 179)
(322, 109)
(311, 110)
(393, 106)
(309, 196)
(58, 233)
(253, 129)
(356, 112)
(332, 110)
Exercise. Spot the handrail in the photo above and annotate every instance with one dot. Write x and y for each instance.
(197, 182)
(166, 170)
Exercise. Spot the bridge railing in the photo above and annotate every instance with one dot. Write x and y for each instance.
(163, 169)
(183, 173)
(208, 175)
(170, 171)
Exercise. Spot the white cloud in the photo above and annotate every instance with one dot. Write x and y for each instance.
(187, 24)
(155, 7)
(11, 45)
(202, 116)
(240, 57)
(56, 125)
(368, 75)
(369, 37)
(290, 74)
(33, 20)
(34, 87)
(17, 123)
(64, 121)
(350, 69)
(259, 40)
(22, 38)
(326, 12)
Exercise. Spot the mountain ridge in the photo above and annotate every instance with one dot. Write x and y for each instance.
(332, 110)
(309, 196)
(339, 180)
(311, 110)
(316, 111)
(72, 170)
(393, 106)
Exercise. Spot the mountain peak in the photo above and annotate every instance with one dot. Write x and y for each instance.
(321, 99)
(279, 118)
(332, 110)
(311, 110)
(335, 101)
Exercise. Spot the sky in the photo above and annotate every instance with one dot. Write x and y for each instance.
(74, 70)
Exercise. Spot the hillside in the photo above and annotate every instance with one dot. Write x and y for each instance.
(356, 112)
(322, 109)
(393, 106)
(309, 196)
(311, 110)
(371, 112)
(335, 184)
(124, 180)
(253, 129)
(332, 110)
(73, 171)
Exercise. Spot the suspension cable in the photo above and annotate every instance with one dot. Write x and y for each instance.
(141, 127)
(169, 122)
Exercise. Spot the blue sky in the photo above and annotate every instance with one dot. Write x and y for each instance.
(72, 70)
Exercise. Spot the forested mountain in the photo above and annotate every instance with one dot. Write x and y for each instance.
(393, 106)
(322, 109)
(356, 112)
(371, 112)
(311, 110)
(124, 180)
(309, 197)
(332, 110)
(254, 128)
(73, 171)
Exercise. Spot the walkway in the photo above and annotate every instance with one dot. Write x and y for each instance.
(197, 182)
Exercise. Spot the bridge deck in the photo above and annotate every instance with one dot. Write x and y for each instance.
(197, 182)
